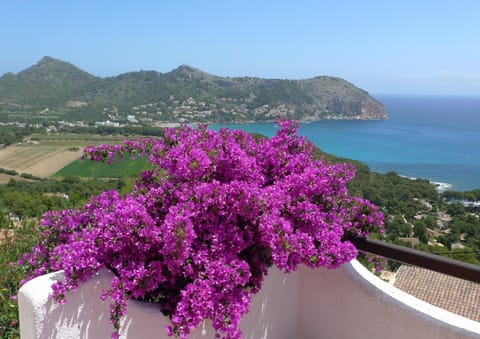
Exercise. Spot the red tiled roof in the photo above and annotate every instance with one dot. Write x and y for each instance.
(450, 293)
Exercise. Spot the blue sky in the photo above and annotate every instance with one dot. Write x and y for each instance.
(404, 47)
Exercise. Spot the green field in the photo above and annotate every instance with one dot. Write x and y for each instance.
(92, 169)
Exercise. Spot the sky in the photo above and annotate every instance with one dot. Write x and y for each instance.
(385, 47)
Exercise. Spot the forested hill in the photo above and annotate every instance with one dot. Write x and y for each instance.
(57, 89)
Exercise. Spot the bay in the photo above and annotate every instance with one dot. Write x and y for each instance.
(431, 137)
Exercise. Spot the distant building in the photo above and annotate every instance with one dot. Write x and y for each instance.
(76, 103)
(107, 123)
(443, 219)
(6, 234)
(457, 246)
(57, 195)
(13, 217)
(131, 118)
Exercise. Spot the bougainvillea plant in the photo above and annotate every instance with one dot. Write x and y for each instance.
(198, 232)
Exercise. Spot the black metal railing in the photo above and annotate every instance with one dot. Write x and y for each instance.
(410, 256)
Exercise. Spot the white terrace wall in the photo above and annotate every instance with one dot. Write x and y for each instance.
(352, 303)
(273, 312)
(346, 303)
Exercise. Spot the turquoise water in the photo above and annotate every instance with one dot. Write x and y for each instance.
(436, 138)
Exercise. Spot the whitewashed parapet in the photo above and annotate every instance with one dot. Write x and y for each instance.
(346, 303)
(353, 303)
(85, 316)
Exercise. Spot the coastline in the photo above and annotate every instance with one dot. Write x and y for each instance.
(273, 121)
(441, 186)
(409, 142)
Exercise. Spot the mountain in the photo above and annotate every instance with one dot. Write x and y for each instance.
(49, 82)
(185, 94)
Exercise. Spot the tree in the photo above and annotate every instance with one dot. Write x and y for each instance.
(455, 209)
(4, 221)
(430, 221)
(420, 231)
(398, 227)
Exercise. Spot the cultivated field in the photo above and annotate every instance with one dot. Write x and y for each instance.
(91, 169)
(38, 160)
(49, 154)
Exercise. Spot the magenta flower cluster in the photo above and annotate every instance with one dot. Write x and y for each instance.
(199, 231)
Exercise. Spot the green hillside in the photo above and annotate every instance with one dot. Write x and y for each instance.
(54, 90)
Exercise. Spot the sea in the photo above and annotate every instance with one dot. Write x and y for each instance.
(430, 137)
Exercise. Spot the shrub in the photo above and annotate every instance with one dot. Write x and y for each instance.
(10, 172)
(11, 248)
(27, 175)
(198, 233)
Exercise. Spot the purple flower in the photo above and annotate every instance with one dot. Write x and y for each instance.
(199, 231)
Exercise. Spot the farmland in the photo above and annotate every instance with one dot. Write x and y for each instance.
(91, 169)
(38, 160)
(45, 155)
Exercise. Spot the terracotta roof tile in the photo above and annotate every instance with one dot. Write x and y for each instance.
(453, 294)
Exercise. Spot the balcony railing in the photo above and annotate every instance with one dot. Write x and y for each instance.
(411, 256)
